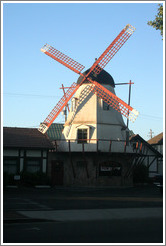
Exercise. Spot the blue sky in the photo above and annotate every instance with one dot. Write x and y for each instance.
(31, 80)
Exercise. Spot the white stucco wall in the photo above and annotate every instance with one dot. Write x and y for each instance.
(101, 124)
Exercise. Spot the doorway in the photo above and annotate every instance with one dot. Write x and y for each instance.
(57, 171)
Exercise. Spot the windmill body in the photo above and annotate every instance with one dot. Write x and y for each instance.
(93, 122)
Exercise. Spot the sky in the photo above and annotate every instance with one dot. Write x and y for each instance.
(31, 80)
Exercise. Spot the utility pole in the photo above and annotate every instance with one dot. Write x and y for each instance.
(150, 133)
(127, 132)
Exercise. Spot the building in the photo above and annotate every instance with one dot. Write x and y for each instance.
(25, 150)
(157, 143)
(147, 155)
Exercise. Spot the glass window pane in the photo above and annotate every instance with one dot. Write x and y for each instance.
(10, 169)
(33, 169)
(33, 166)
(33, 162)
(10, 162)
(82, 134)
(10, 166)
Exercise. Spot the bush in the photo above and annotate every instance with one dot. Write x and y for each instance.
(140, 174)
(8, 179)
(31, 179)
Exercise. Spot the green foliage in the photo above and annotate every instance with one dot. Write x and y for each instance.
(157, 23)
(31, 179)
(140, 174)
(26, 178)
(8, 179)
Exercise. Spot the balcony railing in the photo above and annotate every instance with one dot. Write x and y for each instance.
(96, 145)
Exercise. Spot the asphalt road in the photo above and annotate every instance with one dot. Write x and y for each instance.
(108, 231)
(81, 198)
(83, 215)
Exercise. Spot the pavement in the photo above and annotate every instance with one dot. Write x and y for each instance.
(80, 204)
(94, 214)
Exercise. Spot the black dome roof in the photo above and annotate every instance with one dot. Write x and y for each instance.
(102, 78)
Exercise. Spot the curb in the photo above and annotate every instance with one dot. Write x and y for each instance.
(25, 220)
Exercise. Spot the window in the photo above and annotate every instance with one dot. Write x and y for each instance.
(105, 106)
(33, 165)
(74, 104)
(82, 135)
(110, 169)
(10, 165)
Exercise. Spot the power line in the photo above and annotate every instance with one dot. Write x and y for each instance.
(28, 95)
(151, 116)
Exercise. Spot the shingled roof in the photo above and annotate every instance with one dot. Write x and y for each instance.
(54, 132)
(157, 139)
(15, 137)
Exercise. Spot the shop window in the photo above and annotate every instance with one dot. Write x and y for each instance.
(110, 169)
(10, 165)
(33, 165)
(82, 135)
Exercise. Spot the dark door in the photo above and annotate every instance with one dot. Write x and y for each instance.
(57, 172)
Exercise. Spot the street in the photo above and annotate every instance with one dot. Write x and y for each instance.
(108, 231)
(83, 215)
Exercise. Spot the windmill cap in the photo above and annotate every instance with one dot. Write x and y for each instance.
(102, 78)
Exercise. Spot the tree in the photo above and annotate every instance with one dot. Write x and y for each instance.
(157, 23)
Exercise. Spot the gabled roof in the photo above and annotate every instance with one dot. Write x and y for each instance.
(157, 139)
(54, 132)
(137, 137)
(15, 137)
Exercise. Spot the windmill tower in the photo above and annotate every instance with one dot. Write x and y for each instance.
(92, 120)
(95, 123)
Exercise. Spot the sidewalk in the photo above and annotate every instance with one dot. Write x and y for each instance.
(83, 214)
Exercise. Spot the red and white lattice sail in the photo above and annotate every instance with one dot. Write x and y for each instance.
(96, 68)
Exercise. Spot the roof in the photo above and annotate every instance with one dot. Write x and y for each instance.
(15, 137)
(102, 78)
(54, 132)
(137, 137)
(157, 139)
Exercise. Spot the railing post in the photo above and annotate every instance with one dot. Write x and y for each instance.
(69, 145)
(56, 147)
(125, 146)
(97, 145)
(71, 159)
(110, 146)
(83, 146)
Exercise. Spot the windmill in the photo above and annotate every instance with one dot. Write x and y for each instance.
(90, 76)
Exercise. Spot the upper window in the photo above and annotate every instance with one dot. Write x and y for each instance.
(82, 135)
(74, 103)
(105, 106)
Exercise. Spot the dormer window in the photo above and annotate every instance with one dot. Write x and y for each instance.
(83, 134)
